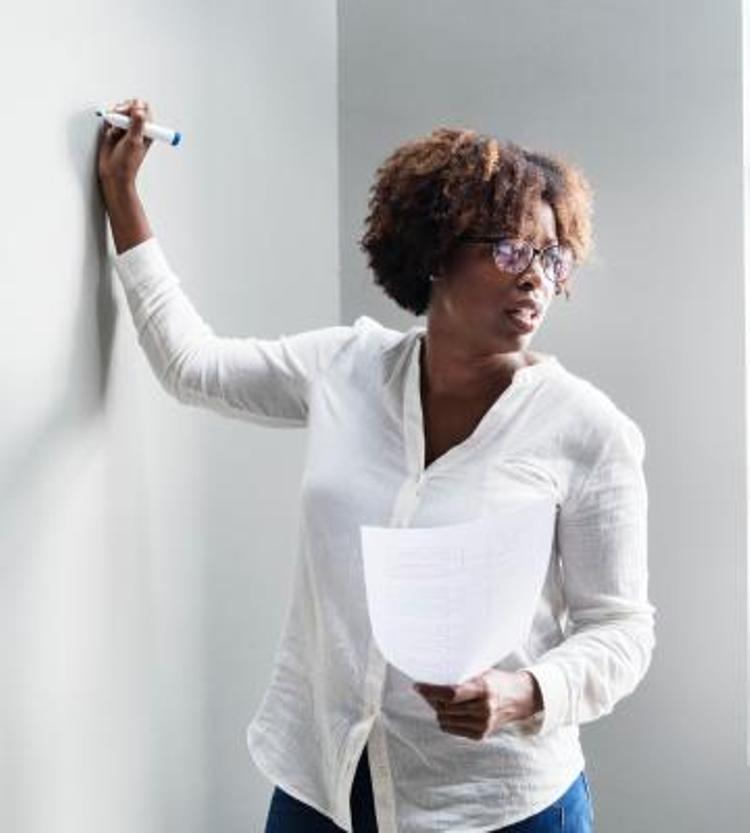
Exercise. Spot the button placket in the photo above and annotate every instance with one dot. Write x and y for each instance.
(404, 508)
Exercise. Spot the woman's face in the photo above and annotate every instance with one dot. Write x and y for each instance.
(475, 296)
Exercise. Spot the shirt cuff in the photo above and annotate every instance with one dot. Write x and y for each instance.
(141, 262)
(554, 690)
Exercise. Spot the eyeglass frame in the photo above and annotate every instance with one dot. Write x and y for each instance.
(468, 238)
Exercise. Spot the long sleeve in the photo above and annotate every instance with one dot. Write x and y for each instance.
(602, 545)
(265, 381)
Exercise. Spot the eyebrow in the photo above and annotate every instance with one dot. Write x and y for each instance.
(550, 241)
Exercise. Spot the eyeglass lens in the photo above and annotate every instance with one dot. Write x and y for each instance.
(516, 255)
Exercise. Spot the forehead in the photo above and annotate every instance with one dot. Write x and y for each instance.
(539, 224)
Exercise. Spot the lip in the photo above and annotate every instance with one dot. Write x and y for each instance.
(521, 326)
(534, 306)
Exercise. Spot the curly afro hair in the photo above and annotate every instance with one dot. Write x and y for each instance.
(431, 190)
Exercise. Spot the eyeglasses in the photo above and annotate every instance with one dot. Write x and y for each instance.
(515, 255)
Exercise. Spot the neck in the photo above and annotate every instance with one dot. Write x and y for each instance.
(453, 368)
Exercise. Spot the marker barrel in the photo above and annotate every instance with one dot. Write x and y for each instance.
(153, 131)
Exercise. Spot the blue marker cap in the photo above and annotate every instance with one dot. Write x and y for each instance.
(177, 137)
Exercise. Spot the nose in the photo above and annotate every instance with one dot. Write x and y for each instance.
(534, 271)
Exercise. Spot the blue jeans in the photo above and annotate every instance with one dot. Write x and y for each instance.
(571, 813)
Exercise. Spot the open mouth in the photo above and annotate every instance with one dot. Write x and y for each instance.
(523, 317)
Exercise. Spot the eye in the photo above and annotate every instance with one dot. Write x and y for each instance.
(510, 252)
(558, 259)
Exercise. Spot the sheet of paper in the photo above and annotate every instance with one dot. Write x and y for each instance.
(448, 602)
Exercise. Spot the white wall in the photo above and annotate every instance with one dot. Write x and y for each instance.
(139, 538)
(647, 98)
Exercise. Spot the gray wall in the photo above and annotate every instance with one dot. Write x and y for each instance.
(146, 548)
(646, 97)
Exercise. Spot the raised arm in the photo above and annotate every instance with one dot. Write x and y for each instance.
(266, 381)
(262, 380)
(602, 542)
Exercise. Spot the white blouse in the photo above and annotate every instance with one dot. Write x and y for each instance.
(356, 389)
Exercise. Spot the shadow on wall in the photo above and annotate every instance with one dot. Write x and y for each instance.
(85, 393)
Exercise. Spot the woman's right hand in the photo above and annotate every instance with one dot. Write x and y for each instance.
(121, 151)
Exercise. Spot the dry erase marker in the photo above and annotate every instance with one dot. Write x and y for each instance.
(153, 131)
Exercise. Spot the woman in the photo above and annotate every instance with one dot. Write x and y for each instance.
(429, 427)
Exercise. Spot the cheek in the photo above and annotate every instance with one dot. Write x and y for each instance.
(475, 304)
(489, 314)
(485, 298)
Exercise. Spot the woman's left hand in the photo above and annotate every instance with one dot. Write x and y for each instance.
(479, 707)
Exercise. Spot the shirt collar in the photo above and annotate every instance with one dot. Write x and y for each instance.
(398, 356)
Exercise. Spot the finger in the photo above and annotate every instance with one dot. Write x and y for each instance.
(113, 134)
(443, 693)
(148, 116)
(142, 104)
(105, 130)
(474, 732)
(432, 700)
(126, 106)
(470, 690)
(137, 120)
(468, 724)
(479, 708)
(108, 134)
